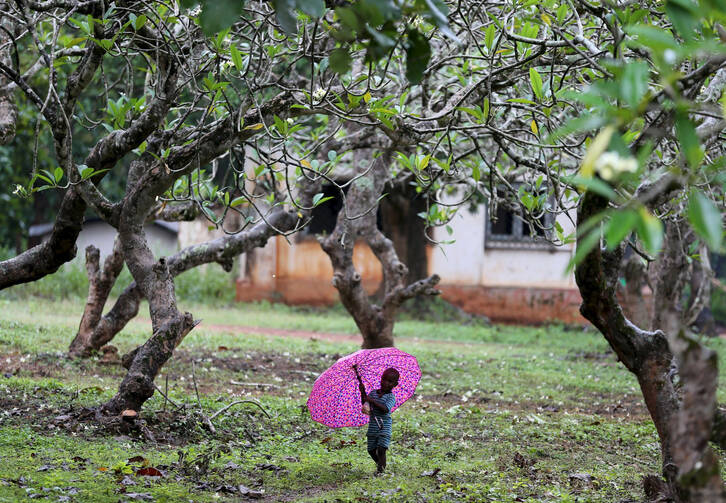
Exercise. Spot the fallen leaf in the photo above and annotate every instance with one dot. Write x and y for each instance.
(222, 348)
(139, 459)
(149, 471)
(102, 469)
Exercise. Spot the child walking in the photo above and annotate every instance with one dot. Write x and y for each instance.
(380, 402)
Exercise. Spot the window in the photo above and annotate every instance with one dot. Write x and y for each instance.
(325, 215)
(510, 230)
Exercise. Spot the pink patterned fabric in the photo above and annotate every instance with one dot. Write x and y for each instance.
(335, 398)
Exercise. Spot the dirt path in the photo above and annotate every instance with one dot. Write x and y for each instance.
(305, 334)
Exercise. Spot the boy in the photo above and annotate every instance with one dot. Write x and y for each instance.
(381, 402)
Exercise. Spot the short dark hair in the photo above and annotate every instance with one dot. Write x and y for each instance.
(393, 372)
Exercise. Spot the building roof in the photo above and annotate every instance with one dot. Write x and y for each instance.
(43, 229)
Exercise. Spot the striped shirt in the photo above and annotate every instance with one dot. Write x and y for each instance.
(380, 423)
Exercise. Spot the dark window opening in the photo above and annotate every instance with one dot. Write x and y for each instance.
(325, 214)
(504, 224)
(510, 228)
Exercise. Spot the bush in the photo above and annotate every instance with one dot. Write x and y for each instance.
(201, 285)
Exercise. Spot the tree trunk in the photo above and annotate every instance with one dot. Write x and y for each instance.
(683, 420)
(221, 250)
(169, 326)
(100, 284)
(357, 220)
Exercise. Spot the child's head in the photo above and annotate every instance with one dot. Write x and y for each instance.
(389, 379)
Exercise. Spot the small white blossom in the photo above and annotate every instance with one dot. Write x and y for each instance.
(195, 11)
(290, 120)
(18, 190)
(417, 21)
(610, 165)
(669, 56)
(319, 94)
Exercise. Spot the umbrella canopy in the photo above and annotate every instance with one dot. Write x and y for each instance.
(335, 400)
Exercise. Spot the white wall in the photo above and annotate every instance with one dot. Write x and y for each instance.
(469, 262)
(101, 235)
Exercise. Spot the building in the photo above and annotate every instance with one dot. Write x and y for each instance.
(162, 236)
(494, 269)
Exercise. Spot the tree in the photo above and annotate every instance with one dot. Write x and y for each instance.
(609, 110)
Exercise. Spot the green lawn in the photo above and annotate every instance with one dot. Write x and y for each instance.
(501, 414)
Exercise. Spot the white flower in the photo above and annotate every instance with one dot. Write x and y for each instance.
(669, 56)
(290, 120)
(319, 94)
(417, 21)
(18, 190)
(195, 11)
(610, 165)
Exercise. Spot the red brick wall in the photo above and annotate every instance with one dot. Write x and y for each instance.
(517, 304)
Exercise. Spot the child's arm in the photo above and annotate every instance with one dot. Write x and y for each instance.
(363, 394)
(378, 404)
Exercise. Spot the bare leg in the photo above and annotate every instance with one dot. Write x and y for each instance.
(374, 455)
(381, 451)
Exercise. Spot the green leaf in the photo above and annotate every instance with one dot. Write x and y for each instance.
(318, 199)
(340, 61)
(236, 57)
(655, 39)
(314, 8)
(58, 174)
(688, 138)
(684, 14)
(139, 22)
(418, 53)
(286, 16)
(705, 219)
(535, 80)
(634, 83)
(439, 12)
(620, 225)
(584, 246)
(592, 184)
(218, 15)
(237, 201)
(332, 155)
(475, 172)
(650, 231)
(489, 37)
(348, 18)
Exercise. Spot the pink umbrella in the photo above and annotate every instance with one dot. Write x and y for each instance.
(335, 400)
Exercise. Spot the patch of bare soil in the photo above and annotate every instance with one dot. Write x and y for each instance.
(610, 406)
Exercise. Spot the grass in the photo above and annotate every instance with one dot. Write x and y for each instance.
(502, 413)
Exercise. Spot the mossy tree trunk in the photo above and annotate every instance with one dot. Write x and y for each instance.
(357, 221)
(683, 416)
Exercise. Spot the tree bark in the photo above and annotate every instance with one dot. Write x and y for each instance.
(357, 220)
(222, 250)
(683, 420)
(100, 284)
